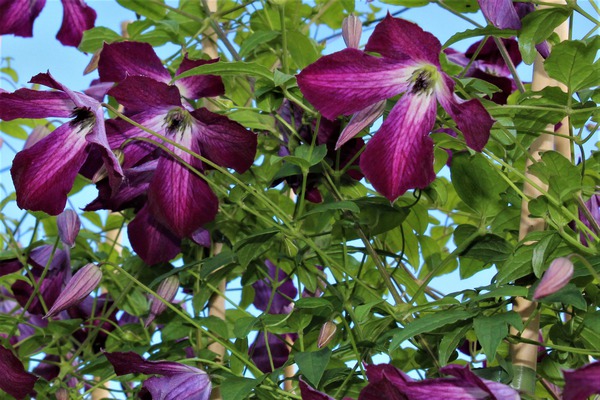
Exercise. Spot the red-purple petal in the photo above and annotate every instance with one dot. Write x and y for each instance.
(500, 13)
(351, 80)
(77, 289)
(308, 393)
(77, 17)
(130, 363)
(402, 40)
(140, 93)
(278, 349)
(185, 386)
(17, 16)
(400, 155)
(122, 59)
(223, 141)
(583, 382)
(68, 224)
(151, 240)
(274, 301)
(15, 380)
(359, 121)
(470, 116)
(26, 103)
(195, 87)
(44, 174)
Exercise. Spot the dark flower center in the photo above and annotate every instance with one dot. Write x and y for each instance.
(423, 79)
(83, 118)
(177, 120)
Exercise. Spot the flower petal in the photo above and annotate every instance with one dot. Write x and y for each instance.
(122, 59)
(583, 382)
(470, 116)
(277, 348)
(151, 241)
(17, 16)
(177, 198)
(402, 40)
(223, 141)
(77, 17)
(185, 386)
(400, 155)
(495, 389)
(77, 289)
(130, 363)
(308, 393)
(270, 300)
(195, 87)
(68, 224)
(15, 380)
(359, 121)
(26, 103)
(44, 173)
(139, 93)
(350, 80)
(500, 13)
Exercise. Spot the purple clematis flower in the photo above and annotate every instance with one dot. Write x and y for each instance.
(593, 206)
(178, 381)
(400, 155)
(44, 173)
(15, 380)
(385, 381)
(179, 201)
(17, 17)
(583, 382)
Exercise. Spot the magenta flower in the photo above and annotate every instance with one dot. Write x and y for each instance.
(309, 393)
(557, 276)
(15, 380)
(44, 173)
(593, 206)
(178, 381)
(583, 382)
(178, 202)
(400, 155)
(387, 382)
(17, 17)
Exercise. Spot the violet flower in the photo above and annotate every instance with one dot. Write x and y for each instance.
(78, 288)
(583, 382)
(593, 206)
(183, 205)
(400, 155)
(15, 380)
(556, 277)
(68, 224)
(44, 173)
(387, 382)
(17, 17)
(178, 381)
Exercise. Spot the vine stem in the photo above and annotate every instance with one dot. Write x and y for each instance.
(523, 353)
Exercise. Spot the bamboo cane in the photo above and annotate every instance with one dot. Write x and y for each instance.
(524, 356)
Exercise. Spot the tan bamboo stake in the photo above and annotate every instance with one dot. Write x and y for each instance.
(524, 356)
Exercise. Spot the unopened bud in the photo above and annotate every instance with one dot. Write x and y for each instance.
(351, 31)
(555, 278)
(62, 394)
(77, 289)
(37, 134)
(327, 333)
(166, 290)
(359, 121)
(68, 227)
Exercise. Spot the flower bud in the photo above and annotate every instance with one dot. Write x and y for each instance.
(327, 333)
(351, 31)
(37, 134)
(68, 227)
(77, 289)
(555, 278)
(167, 290)
(62, 394)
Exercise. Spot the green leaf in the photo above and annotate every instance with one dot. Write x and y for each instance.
(572, 62)
(312, 364)
(243, 326)
(488, 248)
(339, 205)
(428, 323)
(313, 156)
(302, 49)
(229, 68)
(478, 184)
(255, 40)
(407, 3)
(569, 295)
(491, 330)
(541, 252)
(486, 31)
(146, 8)
(517, 265)
(449, 343)
(235, 388)
(253, 120)
(563, 178)
(94, 38)
(537, 27)
(251, 246)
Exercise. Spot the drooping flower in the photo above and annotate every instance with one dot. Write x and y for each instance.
(44, 173)
(179, 201)
(15, 380)
(583, 382)
(77, 289)
(68, 224)
(400, 155)
(17, 17)
(556, 277)
(386, 381)
(178, 381)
